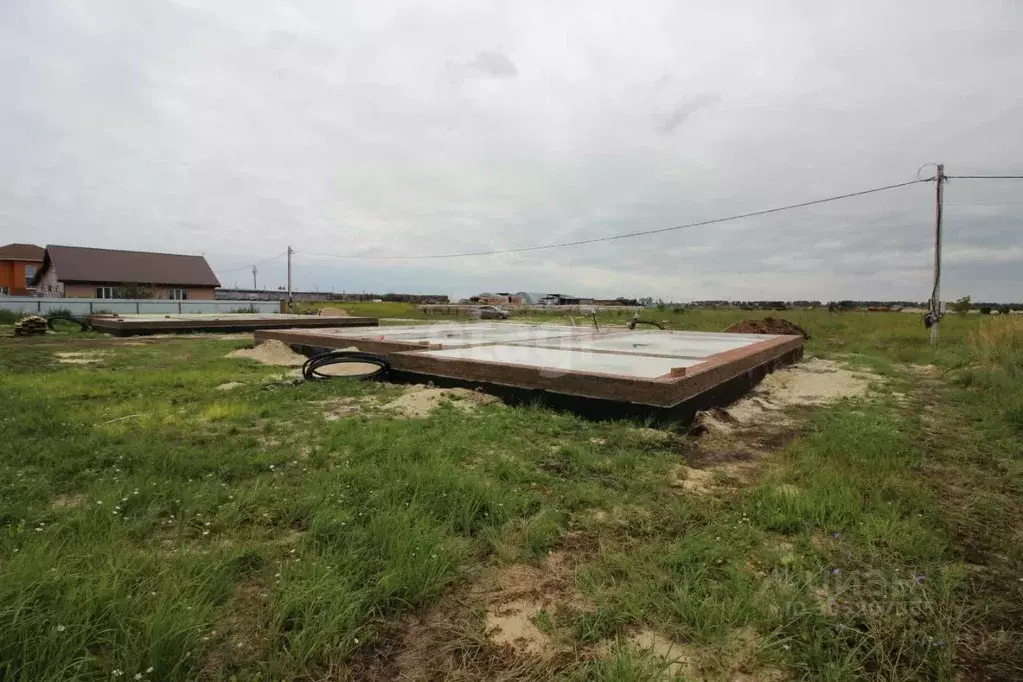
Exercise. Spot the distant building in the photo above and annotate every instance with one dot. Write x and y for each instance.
(563, 299)
(500, 298)
(18, 265)
(78, 272)
(524, 296)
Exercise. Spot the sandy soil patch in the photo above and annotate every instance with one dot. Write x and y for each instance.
(515, 598)
(332, 312)
(678, 659)
(419, 401)
(814, 382)
(67, 501)
(348, 369)
(79, 358)
(734, 661)
(271, 352)
(733, 439)
(229, 386)
(445, 642)
(705, 481)
(341, 408)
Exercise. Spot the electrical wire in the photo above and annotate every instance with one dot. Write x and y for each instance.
(629, 235)
(985, 177)
(250, 266)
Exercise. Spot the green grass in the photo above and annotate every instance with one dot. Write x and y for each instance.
(148, 520)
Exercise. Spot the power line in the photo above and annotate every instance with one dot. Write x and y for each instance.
(985, 177)
(247, 267)
(629, 235)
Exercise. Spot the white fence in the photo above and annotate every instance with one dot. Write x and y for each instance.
(87, 306)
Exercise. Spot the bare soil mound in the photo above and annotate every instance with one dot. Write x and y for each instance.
(768, 325)
(271, 352)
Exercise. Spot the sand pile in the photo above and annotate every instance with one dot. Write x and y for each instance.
(768, 325)
(271, 352)
(813, 382)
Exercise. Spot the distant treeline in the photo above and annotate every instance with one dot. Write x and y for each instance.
(842, 305)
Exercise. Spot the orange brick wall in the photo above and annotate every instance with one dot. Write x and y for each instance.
(12, 276)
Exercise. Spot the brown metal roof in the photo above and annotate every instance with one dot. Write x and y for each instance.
(79, 264)
(24, 252)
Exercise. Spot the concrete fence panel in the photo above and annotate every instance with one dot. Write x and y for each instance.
(31, 305)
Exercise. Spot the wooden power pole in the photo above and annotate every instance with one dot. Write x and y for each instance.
(936, 292)
(254, 277)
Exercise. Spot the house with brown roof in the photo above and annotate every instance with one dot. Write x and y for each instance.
(78, 272)
(18, 265)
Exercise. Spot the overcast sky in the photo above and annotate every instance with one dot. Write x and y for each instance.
(237, 127)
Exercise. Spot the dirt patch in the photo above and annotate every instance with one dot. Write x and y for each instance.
(706, 481)
(494, 629)
(229, 386)
(650, 435)
(768, 325)
(734, 660)
(237, 639)
(340, 408)
(926, 371)
(706, 459)
(420, 401)
(67, 501)
(348, 369)
(733, 439)
(332, 312)
(513, 625)
(678, 659)
(271, 352)
(516, 597)
(692, 480)
(78, 358)
(814, 382)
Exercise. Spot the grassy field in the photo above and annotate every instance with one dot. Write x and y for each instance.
(154, 526)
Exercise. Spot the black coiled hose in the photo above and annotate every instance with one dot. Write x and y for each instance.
(337, 357)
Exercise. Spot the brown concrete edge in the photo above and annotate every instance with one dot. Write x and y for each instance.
(122, 327)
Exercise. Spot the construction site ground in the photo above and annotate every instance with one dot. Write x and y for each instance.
(184, 508)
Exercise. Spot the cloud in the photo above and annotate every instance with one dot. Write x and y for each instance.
(495, 64)
(235, 129)
(684, 109)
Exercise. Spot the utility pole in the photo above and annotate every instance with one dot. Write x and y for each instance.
(254, 277)
(290, 251)
(936, 292)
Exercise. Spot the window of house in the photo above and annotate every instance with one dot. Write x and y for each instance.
(30, 272)
(179, 294)
(108, 292)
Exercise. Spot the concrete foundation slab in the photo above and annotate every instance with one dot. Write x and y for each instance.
(648, 371)
(132, 325)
